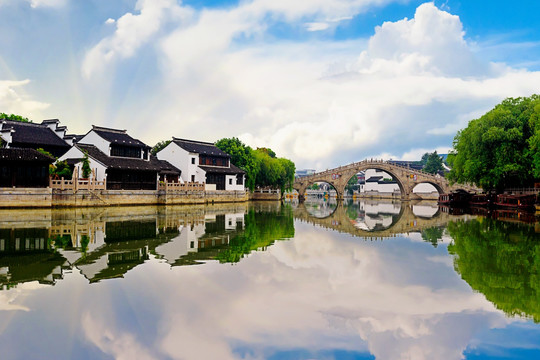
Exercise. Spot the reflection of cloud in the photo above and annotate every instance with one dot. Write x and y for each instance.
(315, 290)
(112, 342)
(12, 299)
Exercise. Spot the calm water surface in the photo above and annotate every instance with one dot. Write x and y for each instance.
(318, 280)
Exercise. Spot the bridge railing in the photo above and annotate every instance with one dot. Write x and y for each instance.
(365, 161)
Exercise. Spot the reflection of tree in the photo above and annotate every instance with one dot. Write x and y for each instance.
(501, 260)
(433, 235)
(261, 230)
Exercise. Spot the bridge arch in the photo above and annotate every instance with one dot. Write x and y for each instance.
(405, 177)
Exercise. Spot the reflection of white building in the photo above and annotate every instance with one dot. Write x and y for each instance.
(181, 245)
(215, 231)
(379, 215)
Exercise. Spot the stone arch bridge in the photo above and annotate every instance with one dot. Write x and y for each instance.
(405, 177)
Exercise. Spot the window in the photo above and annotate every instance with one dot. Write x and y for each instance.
(192, 178)
(193, 161)
(230, 181)
(125, 151)
(239, 179)
(192, 244)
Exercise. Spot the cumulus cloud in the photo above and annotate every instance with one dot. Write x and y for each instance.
(408, 87)
(13, 100)
(416, 78)
(132, 32)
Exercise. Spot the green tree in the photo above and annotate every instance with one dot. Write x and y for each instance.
(61, 170)
(86, 170)
(241, 156)
(13, 117)
(44, 152)
(500, 149)
(159, 146)
(433, 164)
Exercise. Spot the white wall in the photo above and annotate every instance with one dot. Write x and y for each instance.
(232, 179)
(97, 141)
(373, 186)
(182, 160)
(75, 153)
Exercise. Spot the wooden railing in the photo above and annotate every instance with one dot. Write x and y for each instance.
(188, 186)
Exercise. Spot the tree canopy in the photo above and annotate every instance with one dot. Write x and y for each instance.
(13, 117)
(500, 149)
(262, 167)
(433, 163)
(159, 146)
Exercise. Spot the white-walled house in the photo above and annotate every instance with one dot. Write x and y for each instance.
(378, 180)
(123, 161)
(203, 162)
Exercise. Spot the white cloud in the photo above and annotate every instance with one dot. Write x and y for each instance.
(13, 101)
(317, 26)
(312, 103)
(47, 3)
(132, 32)
(319, 103)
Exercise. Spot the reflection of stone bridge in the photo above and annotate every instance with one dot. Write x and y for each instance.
(405, 177)
(404, 222)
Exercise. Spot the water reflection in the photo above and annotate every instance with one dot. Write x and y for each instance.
(107, 243)
(437, 287)
(502, 261)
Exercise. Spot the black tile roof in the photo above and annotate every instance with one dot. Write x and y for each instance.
(30, 133)
(200, 147)
(165, 167)
(118, 162)
(374, 179)
(116, 136)
(233, 170)
(18, 154)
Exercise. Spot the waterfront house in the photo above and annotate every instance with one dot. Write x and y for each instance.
(48, 135)
(24, 168)
(123, 161)
(203, 162)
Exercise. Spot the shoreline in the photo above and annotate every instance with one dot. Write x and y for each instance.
(57, 198)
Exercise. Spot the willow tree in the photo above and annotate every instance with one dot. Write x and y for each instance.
(500, 149)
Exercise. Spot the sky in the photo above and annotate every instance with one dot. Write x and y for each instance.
(321, 82)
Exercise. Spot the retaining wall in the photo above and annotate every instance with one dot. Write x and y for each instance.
(25, 197)
(47, 197)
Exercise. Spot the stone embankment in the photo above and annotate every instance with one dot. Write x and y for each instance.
(47, 197)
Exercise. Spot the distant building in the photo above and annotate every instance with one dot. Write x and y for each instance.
(203, 162)
(48, 136)
(304, 172)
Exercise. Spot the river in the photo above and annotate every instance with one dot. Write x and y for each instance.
(317, 280)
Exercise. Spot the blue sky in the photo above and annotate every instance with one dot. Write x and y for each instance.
(322, 82)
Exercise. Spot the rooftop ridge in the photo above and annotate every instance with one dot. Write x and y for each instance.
(101, 128)
(194, 141)
(23, 123)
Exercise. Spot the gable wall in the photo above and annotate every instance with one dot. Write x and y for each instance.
(96, 140)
